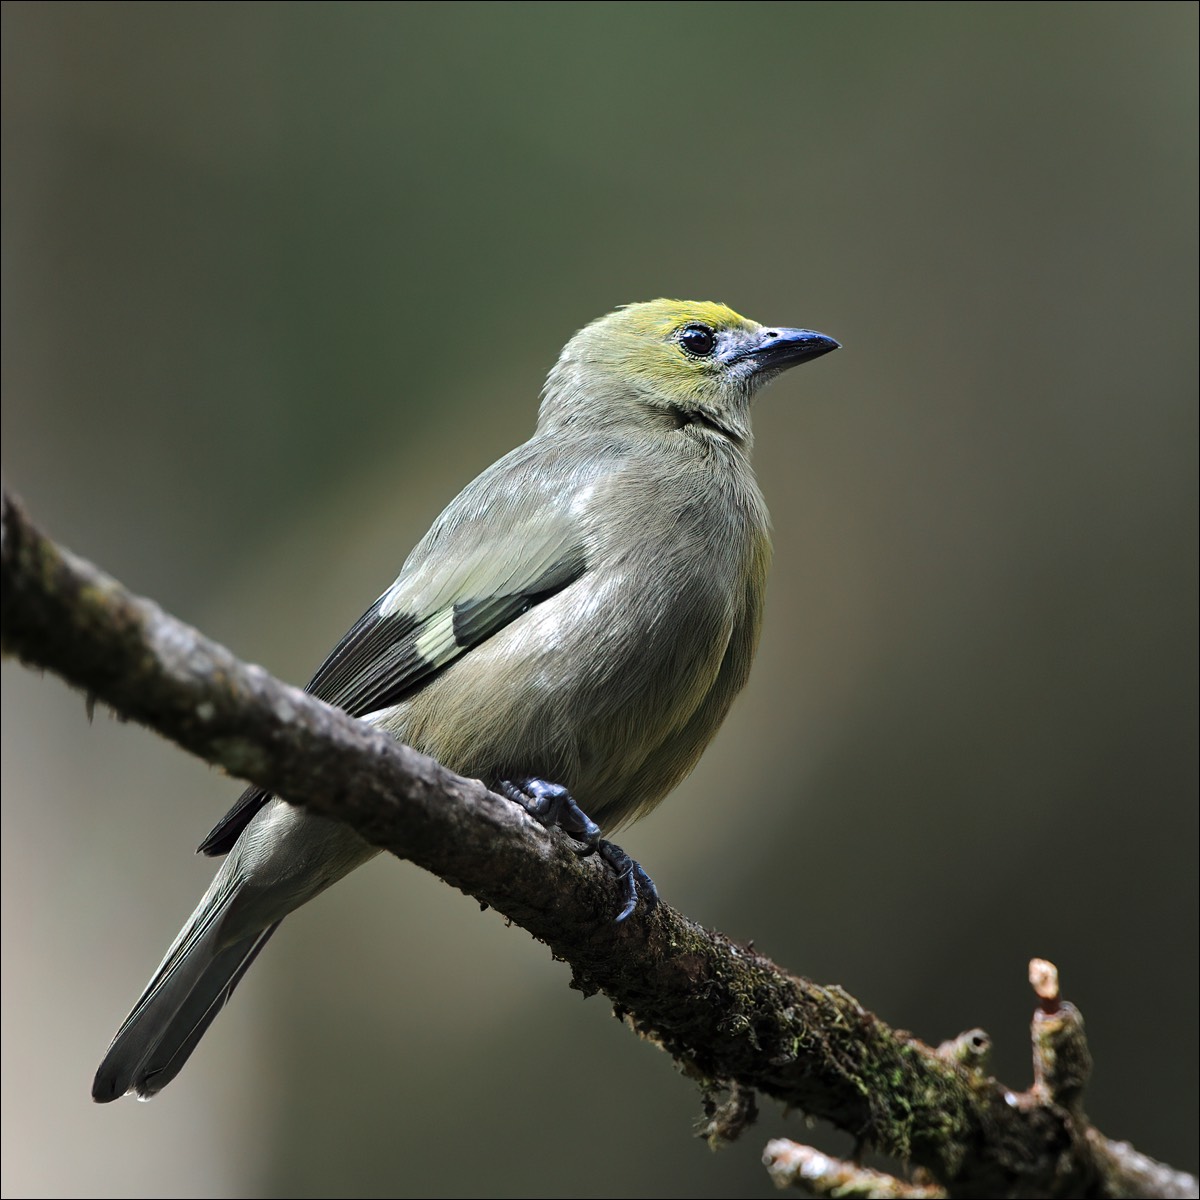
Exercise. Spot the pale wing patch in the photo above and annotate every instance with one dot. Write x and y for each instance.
(436, 643)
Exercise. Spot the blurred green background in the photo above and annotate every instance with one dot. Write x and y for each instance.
(279, 279)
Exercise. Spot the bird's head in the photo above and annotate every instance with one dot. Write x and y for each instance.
(673, 361)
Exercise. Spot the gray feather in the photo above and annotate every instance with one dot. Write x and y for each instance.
(284, 858)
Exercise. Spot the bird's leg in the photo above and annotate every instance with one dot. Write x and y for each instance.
(552, 804)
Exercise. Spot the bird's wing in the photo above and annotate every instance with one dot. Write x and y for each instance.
(507, 543)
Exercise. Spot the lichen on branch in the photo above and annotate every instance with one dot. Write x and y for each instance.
(726, 1013)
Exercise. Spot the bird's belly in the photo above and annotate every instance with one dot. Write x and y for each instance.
(585, 691)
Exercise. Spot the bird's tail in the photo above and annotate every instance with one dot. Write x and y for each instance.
(282, 859)
(189, 988)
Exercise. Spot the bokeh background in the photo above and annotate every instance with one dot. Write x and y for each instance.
(279, 279)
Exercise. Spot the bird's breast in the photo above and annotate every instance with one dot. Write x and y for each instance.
(613, 686)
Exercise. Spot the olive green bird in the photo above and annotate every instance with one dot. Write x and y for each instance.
(572, 631)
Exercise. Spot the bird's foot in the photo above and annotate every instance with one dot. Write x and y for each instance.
(552, 804)
(637, 884)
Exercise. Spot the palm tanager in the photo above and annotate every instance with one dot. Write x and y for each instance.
(571, 631)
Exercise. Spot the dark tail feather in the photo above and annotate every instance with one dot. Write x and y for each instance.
(169, 1020)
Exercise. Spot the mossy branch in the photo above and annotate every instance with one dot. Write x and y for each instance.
(730, 1016)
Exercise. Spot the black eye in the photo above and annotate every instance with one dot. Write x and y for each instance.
(698, 340)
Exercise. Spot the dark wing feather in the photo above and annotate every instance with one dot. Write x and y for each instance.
(507, 542)
(228, 829)
(383, 659)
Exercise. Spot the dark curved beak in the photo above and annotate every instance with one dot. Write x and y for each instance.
(774, 349)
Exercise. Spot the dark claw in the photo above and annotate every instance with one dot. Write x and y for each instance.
(552, 804)
(637, 884)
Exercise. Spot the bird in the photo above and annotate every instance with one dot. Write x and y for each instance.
(572, 631)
